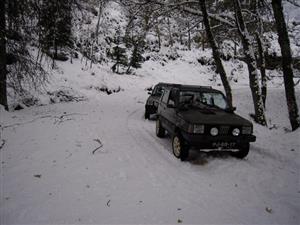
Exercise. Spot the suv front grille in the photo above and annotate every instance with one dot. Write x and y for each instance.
(224, 130)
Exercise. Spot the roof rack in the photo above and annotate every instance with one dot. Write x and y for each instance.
(185, 86)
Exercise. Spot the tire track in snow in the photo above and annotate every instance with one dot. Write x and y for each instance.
(147, 152)
(164, 170)
(152, 147)
(168, 173)
(156, 154)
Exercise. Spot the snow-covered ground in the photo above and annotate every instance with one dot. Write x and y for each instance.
(98, 161)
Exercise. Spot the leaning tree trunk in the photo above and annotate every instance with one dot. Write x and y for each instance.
(288, 75)
(252, 65)
(216, 53)
(3, 71)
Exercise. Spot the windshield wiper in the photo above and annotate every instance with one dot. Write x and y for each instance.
(211, 106)
(185, 105)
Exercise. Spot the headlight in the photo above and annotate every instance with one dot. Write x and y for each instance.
(214, 131)
(247, 130)
(196, 129)
(236, 132)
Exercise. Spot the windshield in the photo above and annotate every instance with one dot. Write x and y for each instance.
(157, 91)
(200, 98)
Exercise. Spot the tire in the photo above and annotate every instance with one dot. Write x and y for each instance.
(147, 115)
(180, 149)
(160, 131)
(242, 152)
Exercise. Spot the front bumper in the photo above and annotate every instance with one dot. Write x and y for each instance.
(220, 141)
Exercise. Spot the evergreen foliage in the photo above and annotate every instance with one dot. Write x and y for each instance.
(136, 58)
(118, 53)
(55, 24)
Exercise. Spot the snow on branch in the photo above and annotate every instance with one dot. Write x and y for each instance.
(220, 19)
(294, 2)
(217, 17)
(184, 6)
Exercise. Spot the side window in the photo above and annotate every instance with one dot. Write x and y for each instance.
(165, 96)
(172, 98)
(154, 90)
(159, 91)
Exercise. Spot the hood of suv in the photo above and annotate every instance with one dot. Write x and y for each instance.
(213, 116)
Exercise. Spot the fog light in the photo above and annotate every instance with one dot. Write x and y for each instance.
(214, 131)
(198, 129)
(247, 130)
(236, 132)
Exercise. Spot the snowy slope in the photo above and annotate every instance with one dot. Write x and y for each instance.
(98, 161)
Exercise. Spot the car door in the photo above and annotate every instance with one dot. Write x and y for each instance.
(162, 108)
(171, 111)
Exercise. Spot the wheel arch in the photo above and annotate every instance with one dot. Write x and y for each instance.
(177, 130)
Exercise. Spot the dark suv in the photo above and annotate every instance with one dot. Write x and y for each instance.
(199, 117)
(153, 99)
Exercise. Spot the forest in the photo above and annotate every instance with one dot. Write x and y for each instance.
(232, 29)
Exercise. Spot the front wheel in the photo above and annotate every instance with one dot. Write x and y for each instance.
(160, 131)
(147, 114)
(180, 150)
(242, 152)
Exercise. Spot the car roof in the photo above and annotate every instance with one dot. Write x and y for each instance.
(166, 84)
(188, 87)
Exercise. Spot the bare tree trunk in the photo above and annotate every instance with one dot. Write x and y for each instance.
(171, 42)
(262, 61)
(101, 8)
(158, 36)
(3, 70)
(95, 38)
(216, 53)
(235, 48)
(189, 36)
(288, 75)
(261, 52)
(252, 65)
(202, 37)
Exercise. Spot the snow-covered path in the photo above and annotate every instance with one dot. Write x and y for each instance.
(50, 172)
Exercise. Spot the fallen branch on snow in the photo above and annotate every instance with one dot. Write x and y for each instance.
(64, 117)
(2, 144)
(31, 121)
(100, 143)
